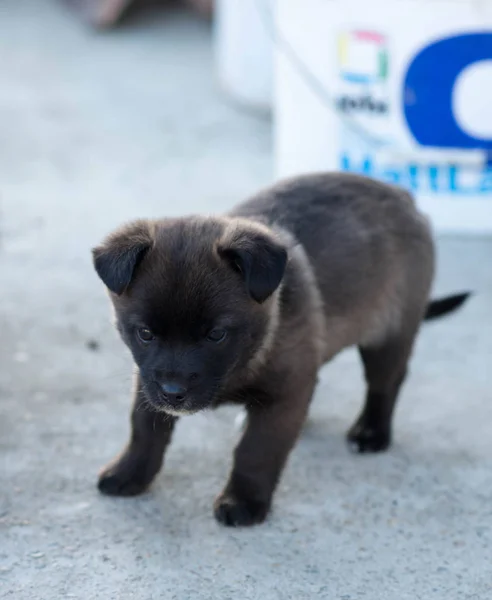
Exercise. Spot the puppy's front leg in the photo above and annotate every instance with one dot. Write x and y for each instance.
(133, 471)
(271, 431)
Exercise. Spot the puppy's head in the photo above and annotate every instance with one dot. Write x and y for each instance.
(194, 301)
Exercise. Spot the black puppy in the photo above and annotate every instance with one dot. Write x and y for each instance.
(247, 307)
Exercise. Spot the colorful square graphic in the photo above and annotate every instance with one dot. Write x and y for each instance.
(363, 57)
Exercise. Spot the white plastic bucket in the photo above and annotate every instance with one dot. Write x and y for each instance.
(244, 51)
(400, 90)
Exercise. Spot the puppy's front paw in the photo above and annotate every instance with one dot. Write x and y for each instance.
(239, 512)
(128, 476)
(362, 438)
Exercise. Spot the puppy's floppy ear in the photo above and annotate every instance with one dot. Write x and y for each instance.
(258, 256)
(118, 257)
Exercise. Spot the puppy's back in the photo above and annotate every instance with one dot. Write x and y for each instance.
(370, 249)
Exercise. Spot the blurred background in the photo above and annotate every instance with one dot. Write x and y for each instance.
(116, 109)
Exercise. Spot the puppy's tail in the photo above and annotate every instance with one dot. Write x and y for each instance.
(443, 306)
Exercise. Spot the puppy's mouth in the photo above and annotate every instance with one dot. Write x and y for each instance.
(160, 403)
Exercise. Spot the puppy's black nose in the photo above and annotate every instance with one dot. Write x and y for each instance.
(173, 392)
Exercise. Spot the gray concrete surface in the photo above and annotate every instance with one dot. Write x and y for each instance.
(96, 129)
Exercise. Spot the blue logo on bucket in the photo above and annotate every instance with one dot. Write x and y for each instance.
(428, 90)
(428, 111)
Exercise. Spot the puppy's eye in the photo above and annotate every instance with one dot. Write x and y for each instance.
(145, 334)
(216, 335)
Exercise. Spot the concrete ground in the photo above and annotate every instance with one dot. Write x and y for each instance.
(96, 129)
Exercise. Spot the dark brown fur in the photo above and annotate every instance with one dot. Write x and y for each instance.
(293, 276)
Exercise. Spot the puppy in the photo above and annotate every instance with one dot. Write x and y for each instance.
(246, 307)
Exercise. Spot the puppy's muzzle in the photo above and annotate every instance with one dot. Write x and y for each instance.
(173, 393)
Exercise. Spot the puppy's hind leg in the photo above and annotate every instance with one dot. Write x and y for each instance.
(385, 367)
